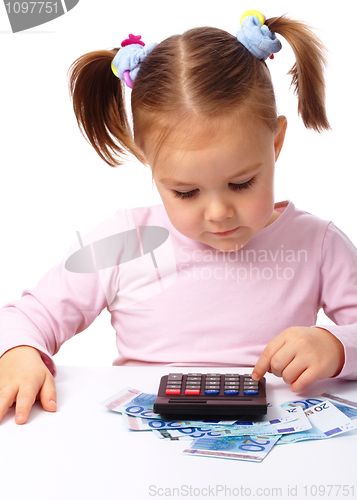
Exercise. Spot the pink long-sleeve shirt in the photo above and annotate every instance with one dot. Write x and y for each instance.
(178, 301)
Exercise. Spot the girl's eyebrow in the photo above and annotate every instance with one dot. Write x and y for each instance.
(174, 182)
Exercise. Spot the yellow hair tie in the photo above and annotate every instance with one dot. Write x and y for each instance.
(114, 70)
(256, 13)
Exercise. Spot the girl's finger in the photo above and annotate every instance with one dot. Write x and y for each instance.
(48, 394)
(7, 398)
(263, 364)
(24, 402)
(306, 379)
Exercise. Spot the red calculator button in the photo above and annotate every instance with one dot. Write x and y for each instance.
(195, 392)
(173, 391)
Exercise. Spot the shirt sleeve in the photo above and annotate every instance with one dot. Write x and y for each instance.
(67, 299)
(338, 294)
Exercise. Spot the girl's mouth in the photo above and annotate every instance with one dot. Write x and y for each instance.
(226, 233)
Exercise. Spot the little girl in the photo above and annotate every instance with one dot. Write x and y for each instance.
(220, 274)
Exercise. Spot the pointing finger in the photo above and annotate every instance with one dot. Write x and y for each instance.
(263, 364)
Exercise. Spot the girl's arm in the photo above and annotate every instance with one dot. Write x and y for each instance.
(35, 326)
(61, 305)
(302, 355)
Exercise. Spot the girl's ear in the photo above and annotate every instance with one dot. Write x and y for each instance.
(280, 135)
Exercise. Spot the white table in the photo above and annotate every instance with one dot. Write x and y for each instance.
(84, 452)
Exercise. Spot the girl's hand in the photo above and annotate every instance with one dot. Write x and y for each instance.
(23, 378)
(301, 356)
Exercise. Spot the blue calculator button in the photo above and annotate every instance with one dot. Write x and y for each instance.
(211, 391)
(231, 392)
(250, 391)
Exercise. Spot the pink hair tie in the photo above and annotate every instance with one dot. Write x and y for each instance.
(132, 40)
(126, 78)
(128, 59)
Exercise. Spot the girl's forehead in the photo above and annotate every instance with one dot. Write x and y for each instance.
(205, 140)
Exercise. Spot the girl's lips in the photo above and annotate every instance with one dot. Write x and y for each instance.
(227, 233)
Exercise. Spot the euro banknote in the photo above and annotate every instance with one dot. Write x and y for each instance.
(300, 424)
(140, 404)
(133, 402)
(349, 408)
(236, 429)
(326, 419)
(233, 448)
(136, 407)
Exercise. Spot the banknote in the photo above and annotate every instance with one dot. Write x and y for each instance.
(114, 402)
(147, 424)
(326, 420)
(349, 408)
(140, 404)
(300, 424)
(274, 415)
(132, 402)
(234, 448)
(188, 433)
(243, 423)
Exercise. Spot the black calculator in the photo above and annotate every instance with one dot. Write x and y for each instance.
(210, 395)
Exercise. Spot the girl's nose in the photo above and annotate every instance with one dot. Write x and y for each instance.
(218, 209)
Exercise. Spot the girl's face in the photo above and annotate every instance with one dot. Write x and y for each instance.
(221, 193)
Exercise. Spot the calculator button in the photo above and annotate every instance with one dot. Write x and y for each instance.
(194, 374)
(211, 391)
(192, 391)
(173, 391)
(231, 392)
(232, 375)
(174, 376)
(174, 382)
(173, 386)
(213, 374)
(251, 391)
(194, 379)
(231, 382)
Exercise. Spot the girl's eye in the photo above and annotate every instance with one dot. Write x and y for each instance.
(235, 187)
(245, 185)
(188, 194)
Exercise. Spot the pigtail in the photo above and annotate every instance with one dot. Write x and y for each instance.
(307, 73)
(98, 103)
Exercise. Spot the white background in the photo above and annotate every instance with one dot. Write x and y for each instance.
(52, 183)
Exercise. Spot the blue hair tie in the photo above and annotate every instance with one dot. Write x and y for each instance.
(258, 38)
(127, 61)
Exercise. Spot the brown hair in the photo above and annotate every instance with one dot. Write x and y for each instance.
(204, 73)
